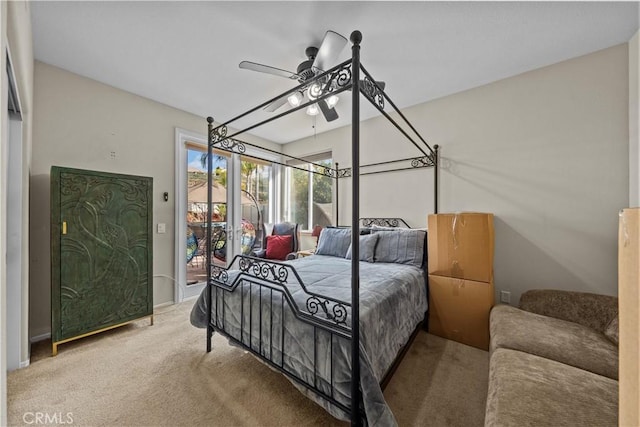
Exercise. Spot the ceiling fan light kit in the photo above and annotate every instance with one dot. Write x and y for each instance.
(319, 60)
(314, 91)
(295, 99)
(313, 110)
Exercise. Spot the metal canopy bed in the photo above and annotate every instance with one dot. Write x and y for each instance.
(332, 323)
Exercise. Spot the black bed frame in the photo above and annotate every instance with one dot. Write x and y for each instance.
(325, 314)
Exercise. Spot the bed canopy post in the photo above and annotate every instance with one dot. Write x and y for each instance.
(337, 196)
(356, 38)
(208, 222)
(436, 170)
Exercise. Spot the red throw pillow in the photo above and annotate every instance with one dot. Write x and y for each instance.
(278, 247)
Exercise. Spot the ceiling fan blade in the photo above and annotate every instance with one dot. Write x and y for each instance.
(330, 114)
(329, 51)
(261, 68)
(276, 104)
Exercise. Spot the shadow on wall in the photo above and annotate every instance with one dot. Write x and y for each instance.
(548, 231)
(506, 186)
(520, 265)
(40, 256)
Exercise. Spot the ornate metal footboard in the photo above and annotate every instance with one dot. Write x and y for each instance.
(252, 303)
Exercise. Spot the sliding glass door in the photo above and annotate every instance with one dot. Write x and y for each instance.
(196, 209)
(243, 199)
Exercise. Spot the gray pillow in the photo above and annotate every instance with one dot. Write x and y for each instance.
(402, 246)
(334, 242)
(367, 247)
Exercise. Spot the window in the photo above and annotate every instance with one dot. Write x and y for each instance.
(255, 181)
(253, 185)
(309, 195)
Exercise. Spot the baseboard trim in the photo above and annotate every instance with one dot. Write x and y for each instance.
(163, 304)
(41, 337)
(190, 298)
(25, 363)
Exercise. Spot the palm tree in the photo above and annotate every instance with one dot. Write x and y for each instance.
(220, 174)
(247, 169)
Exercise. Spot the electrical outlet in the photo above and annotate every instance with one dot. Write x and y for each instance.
(505, 297)
(162, 228)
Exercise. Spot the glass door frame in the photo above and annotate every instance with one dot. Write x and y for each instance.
(183, 137)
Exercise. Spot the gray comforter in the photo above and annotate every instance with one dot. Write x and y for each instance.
(393, 300)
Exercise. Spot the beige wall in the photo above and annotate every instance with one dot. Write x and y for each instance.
(546, 151)
(79, 122)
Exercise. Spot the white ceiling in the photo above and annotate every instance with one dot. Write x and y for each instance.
(186, 54)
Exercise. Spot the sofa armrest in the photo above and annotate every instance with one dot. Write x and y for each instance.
(591, 310)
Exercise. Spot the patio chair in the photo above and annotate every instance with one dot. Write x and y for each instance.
(280, 229)
(219, 240)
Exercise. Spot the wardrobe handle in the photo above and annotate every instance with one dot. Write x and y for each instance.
(64, 227)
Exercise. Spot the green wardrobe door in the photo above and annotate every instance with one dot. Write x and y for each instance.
(101, 250)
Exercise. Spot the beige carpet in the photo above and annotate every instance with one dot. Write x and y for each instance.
(161, 376)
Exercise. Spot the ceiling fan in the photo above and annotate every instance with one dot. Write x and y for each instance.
(318, 60)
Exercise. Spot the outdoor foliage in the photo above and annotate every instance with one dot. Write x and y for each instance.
(322, 194)
(255, 180)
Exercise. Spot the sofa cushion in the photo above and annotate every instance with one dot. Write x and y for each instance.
(552, 338)
(527, 390)
(594, 311)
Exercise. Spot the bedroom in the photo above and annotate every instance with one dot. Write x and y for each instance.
(546, 150)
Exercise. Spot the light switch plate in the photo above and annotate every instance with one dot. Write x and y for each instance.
(162, 228)
(505, 297)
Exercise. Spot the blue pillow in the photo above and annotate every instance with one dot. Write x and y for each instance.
(334, 242)
(402, 246)
(367, 247)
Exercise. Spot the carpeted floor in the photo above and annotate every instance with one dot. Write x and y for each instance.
(141, 375)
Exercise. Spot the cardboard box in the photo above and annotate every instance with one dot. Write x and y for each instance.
(461, 245)
(629, 315)
(459, 310)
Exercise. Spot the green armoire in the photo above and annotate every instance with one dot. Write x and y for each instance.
(101, 252)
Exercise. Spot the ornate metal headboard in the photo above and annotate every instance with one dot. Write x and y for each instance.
(384, 222)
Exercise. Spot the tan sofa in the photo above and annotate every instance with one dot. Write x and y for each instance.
(554, 361)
